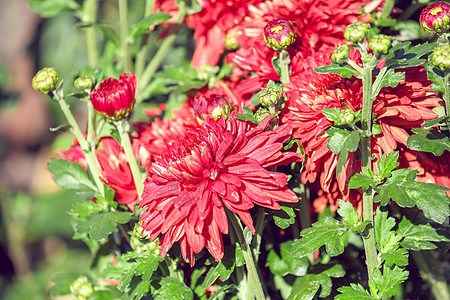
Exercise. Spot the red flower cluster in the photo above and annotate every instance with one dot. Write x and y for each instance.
(221, 165)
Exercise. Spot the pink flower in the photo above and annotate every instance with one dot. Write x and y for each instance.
(220, 165)
(114, 99)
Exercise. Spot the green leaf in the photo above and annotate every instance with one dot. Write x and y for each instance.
(386, 239)
(398, 257)
(428, 141)
(84, 209)
(387, 283)
(306, 287)
(70, 176)
(428, 124)
(354, 291)
(224, 268)
(284, 217)
(171, 288)
(345, 70)
(327, 232)
(247, 115)
(348, 213)
(406, 192)
(142, 288)
(391, 79)
(51, 8)
(360, 180)
(143, 26)
(418, 237)
(342, 142)
(107, 30)
(332, 114)
(147, 265)
(101, 225)
(61, 285)
(387, 164)
(436, 76)
(286, 264)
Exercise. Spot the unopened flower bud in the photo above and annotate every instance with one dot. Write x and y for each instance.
(269, 96)
(279, 34)
(114, 99)
(436, 18)
(85, 82)
(81, 287)
(380, 44)
(356, 32)
(215, 106)
(441, 57)
(346, 117)
(230, 40)
(261, 113)
(45, 80)
(341, 53)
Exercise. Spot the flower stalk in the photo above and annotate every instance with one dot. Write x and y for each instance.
(284, 66)
(122, 126)
(447, 92)
(142, 54)
(91, 7)
(254, 281)
(126, 52)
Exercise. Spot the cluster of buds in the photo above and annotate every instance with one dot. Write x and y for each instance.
(356, 32)
(441, 57)
(380, 44)
(436, 18)
(114, 99)
(45, 80)
(141, 244)
(279, 34)
(81, 287)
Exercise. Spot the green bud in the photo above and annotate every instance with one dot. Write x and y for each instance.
(346, 116)
(45, 80)
(436, 18)
(441, 57)
(85, 82)
(279, 34)
(81, 287)
(341, 53)
(261, 113)
(380, 44)
(269, 96)
(356, 32)
(230, 40)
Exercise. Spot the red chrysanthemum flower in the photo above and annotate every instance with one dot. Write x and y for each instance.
(114, 99)
(398, 110)
(219, 165)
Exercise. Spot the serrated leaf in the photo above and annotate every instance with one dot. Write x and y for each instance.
(418, 237)
(171, 288)
(342, 142)
(107, 30)
(428, 124)
(386, 239)
(286, 264)
(51, 8)
(348, 213)
(436, 76)
(84, 209)
(143, 26)
(332, 114)
(345, 70)
(354, 291)
(184, 77)
(387, 282)
(387, 164)
(247, 115)
(398, 257)
(391, 79)
(147, 265)
(327, 232)
(360, 180)
(224, 268)
(429, 140)
(304, 289)
(142, 288)
(406, 192)
(101, 225)
(70, 176)
(284, 217)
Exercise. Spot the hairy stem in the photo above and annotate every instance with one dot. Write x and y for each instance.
(253, 276)
(126, 52)
(91, 8)
(284, 66)
(259, 227)
(122, 126)
(388, 6)
(142, 54)
(447, 92)
(366, 122)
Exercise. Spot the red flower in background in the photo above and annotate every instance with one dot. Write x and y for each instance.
(398, 110)
(114, 99)
(221, 164)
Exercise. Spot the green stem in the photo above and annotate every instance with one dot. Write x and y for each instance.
(366, 123)
(355, 66)
(284, 66)
(90, 10)
(126, 52)
(151, 68)
(447, 92)
(142, 54)
(126, 144)
(259, 227)
(88, 151)
(388, 6)
(255, 283)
